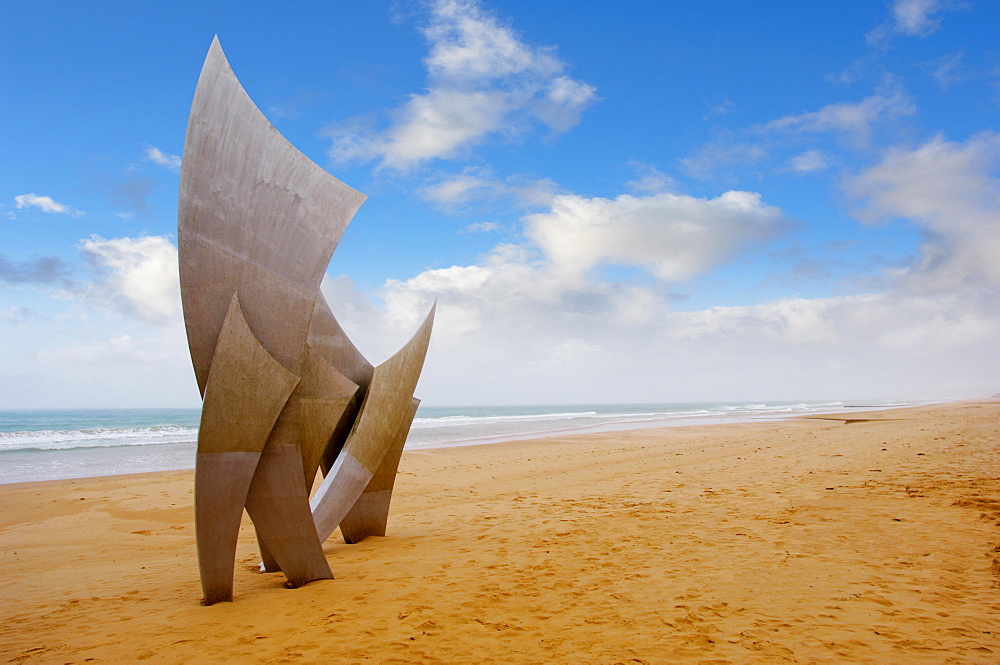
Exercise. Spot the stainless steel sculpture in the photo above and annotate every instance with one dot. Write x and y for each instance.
(285, 391)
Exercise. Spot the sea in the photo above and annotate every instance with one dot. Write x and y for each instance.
(58, 444)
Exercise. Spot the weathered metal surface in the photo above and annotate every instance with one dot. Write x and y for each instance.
(286, 392)
(245, 392)
(370, 514)
(385, 409)
(255, 216)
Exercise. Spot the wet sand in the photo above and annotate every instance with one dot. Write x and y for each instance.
(808, 540)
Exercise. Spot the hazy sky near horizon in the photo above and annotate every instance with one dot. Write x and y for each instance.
(611, 202)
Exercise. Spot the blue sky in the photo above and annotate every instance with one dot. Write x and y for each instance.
(638, 202)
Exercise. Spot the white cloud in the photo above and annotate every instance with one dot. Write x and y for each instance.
(135, 276)
(855, 124)
(853, 120)
(476, 184)
(672, 237)
(649, 179)
(949, 190)
(166, 160)
(355, 312)
(86, 355)
(795, 320)
(675, 237)
(917, 17)
(534, 322)
(562, 101)
(527, 299)
(466, 42)
(482, 81)
(469, 185)
(439, 124)
(892, 322)
(807, 162)
(510, 333)
(946, 69)
(45, 204)
(912, 18)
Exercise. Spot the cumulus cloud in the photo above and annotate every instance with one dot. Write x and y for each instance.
(891, 322)
(674, 236)
(482, 81)
(510, 308)
(949, 190)
(160, 158)
(506, 332)
(45, 204)
(544, 320)
(528, 298)
(796, 320)
(670, 236)
(137, 277)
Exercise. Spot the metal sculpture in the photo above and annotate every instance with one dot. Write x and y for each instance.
(285, 391)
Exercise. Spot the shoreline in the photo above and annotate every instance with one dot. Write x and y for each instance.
(692, 420)
(148, 458)
(865, 538)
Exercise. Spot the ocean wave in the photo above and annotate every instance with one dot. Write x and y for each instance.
(465, 421)
(96, 438)
(610, 416)
(781, 408)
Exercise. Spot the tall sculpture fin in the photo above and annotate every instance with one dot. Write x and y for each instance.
(326, 394)
(386, 407)
(278, 504)
(245, 392)
(329, 340)
(256, 216)
(370, 513)
(278, 496)
(325, 402)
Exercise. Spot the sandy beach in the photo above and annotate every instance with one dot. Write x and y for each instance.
(808, 540)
